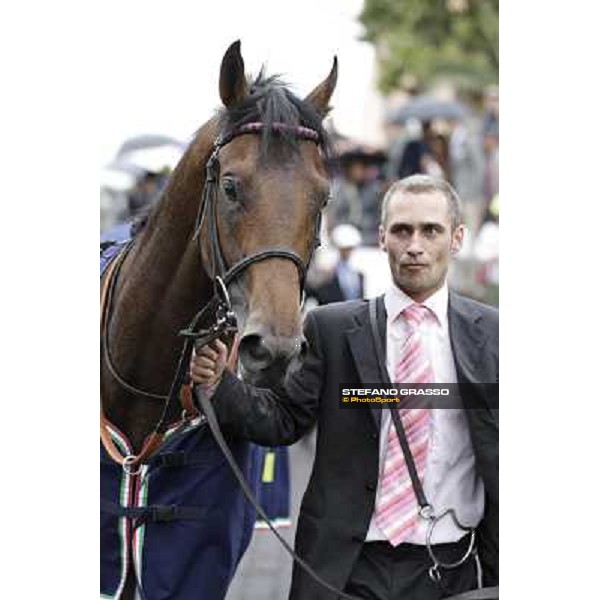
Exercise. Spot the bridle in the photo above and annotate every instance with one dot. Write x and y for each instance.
(222, 275)
(208, 206)
(223, 321)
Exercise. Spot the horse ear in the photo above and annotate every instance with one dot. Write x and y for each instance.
(320, 96)
(232, 82)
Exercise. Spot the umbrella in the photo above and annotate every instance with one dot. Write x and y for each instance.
(118, 181)
(120, 175)
(152, 153)
(142, 142)
(155, 159)
(426, 108)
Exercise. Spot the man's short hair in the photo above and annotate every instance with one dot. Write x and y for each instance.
(423, 184)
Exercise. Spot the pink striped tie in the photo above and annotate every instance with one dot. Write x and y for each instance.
(396, 507)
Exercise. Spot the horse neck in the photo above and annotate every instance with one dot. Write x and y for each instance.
(165, 252)
(161, 286)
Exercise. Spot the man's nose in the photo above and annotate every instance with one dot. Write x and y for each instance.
(415, 248)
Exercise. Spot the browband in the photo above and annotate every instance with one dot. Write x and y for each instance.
(298, 131)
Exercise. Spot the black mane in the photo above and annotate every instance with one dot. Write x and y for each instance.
(270, 101)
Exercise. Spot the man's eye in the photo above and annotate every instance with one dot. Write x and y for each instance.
(430, 230)
(229, 188)
(401, 230)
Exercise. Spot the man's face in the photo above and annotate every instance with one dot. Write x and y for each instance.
(419, 241)
(345, 253)
(357, 172)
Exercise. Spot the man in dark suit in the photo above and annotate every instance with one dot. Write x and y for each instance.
(359, 525)
(345, 282)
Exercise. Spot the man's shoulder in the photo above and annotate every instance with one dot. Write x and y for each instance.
(489, 314)
(338, 312)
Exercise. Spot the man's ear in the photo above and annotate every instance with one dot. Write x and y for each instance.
(382, 243)
(457, 239)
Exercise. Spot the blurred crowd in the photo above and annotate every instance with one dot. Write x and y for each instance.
(132, 182)
(443, 139)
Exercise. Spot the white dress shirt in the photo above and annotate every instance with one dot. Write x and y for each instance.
(450, 479)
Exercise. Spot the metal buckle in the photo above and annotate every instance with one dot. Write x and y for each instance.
(438, 563)
(434, 574)
(128, 461)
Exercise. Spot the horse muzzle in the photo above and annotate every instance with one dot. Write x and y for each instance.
(266, 360)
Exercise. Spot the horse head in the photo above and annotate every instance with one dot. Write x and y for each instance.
(270, 188)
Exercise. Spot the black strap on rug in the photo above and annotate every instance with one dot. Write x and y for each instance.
(156, 513)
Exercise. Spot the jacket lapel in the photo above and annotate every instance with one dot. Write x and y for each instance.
(362, 348)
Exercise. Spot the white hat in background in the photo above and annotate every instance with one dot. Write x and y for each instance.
(346, 236)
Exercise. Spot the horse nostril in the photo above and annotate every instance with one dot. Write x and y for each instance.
(303, 348)
(276, 355)
(254, 351)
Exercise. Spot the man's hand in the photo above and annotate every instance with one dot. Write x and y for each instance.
(207, 366)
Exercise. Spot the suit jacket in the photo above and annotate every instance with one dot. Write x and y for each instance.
(340, 497)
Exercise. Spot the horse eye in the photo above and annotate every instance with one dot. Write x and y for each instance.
(230, 188)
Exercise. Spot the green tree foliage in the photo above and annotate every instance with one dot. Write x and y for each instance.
(428, 39)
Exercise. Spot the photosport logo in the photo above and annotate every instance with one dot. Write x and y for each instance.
(419, 395)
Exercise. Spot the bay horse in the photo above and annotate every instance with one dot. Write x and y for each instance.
(248, 191)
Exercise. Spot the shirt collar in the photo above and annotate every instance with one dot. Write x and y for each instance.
(395, 301)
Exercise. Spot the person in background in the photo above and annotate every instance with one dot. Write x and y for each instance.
(356, 194)
(435, 162)
(491, 144)
(486, 249)
(346, 191)
(345, 282)
(416, 148)
(466, 162)
(145, 193)
(425, 153)
(491, 119)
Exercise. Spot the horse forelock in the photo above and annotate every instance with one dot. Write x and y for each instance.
(271, 102)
